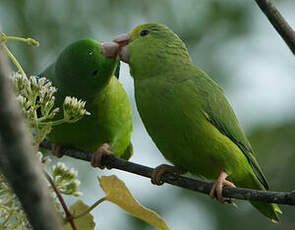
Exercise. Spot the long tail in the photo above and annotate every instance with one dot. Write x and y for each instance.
(269, 210)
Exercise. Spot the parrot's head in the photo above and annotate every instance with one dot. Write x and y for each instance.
(150, 49)
(82, 70)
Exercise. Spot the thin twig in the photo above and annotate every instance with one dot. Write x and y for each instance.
(90, 208)
(111, 161)
(13, 59)
(278, 22)
(69, 216)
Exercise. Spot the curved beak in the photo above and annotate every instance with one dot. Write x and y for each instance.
(123, 40)
(119, 46)
(109, 49)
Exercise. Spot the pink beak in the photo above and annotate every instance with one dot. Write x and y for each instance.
(109, 49)
(119, 46)
(123, 40)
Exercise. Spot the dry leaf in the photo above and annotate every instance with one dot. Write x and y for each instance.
(82, 223)
(117, 193)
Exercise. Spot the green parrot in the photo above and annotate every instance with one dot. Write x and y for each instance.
(187, 114)
(81, 71)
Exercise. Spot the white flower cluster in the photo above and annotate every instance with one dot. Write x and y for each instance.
(65, 179)
(36, 97)
(74, 109)
(22, 86)
(33, 94)
(45, 97)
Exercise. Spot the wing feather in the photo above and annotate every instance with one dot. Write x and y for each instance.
(220, 114)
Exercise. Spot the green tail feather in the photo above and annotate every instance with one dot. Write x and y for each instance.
(271, 211)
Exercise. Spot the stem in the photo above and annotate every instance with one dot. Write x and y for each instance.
(41, 119)
(43, 136)
(29, 41)
(53, 123)
(13, 59)
(37, 130)
(278, 22)
(58, 122)
(69, 216)
(90, 208)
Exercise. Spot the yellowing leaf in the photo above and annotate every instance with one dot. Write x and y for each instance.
(117, 193)
(82, 223)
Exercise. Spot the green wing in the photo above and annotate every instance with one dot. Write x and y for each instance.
(219, 113)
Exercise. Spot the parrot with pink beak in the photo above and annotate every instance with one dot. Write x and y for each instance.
(81, 71)
(187, 114)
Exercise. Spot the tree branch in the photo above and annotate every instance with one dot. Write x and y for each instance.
(278, 22)
(18, 162)
(111, 161)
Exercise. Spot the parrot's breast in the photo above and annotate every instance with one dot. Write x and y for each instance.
(174, 118)
(109, 122)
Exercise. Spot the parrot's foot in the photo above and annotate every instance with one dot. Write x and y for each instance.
(55, 149)
(96, 157)
(163, 168)
(218, 186)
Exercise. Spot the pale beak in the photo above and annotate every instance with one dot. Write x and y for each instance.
(109, 49)
(124, 56)
(123, 40)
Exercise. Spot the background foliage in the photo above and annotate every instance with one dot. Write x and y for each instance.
(230, 40)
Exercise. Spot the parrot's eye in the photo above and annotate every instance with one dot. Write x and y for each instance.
(144, 33)
(94, 72)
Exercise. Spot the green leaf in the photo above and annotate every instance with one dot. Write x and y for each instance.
(117, 193)
(82, 223)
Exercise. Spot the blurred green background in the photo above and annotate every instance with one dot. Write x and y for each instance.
(232, 41)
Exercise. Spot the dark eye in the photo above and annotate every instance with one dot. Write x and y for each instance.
(94, 72)
(144, 33)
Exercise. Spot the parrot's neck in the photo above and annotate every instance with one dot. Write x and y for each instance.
(157, 59)
(169, 65)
